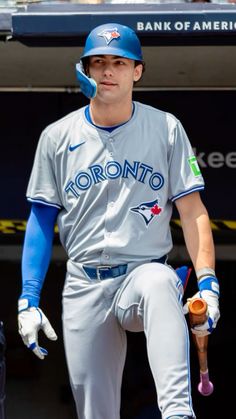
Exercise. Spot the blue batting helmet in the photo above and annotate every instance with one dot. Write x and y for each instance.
(113, 39)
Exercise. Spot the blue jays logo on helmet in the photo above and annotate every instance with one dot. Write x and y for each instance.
(109, 34)
(148, 210)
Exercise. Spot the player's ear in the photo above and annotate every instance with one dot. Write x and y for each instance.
(138, 71)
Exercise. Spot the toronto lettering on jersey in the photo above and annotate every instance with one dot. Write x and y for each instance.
(112, 170)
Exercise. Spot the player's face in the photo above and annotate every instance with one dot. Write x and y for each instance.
(114, 75)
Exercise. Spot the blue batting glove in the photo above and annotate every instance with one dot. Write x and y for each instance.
(208, 290)
(30, 321)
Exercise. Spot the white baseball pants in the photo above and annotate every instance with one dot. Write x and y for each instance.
(96, 315)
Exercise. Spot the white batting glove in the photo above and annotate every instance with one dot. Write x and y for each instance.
(209, 291)
(30, 321)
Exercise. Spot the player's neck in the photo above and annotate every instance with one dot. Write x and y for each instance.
(106, 115)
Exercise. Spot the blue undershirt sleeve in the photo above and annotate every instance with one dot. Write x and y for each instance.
(37, 251)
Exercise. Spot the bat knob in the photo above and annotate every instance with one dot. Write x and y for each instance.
(205, 387)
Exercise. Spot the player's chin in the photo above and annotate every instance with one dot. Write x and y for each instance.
(107, 94)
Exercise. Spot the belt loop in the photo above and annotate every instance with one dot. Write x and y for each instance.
(98, 273)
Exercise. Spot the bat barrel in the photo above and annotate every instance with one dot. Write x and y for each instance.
(197, 306)
(197, 310)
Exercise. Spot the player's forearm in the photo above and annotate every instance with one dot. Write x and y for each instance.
(199, 240)
(197, 231)
(37, 252)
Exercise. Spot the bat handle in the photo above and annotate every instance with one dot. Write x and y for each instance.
(197, 312)
(205, 387)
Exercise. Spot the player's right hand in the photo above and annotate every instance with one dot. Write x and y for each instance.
(30, 321)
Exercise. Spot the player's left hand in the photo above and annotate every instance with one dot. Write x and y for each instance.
(30, 321)
(209, 291)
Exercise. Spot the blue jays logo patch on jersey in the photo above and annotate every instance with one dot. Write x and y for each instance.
(109, 34)
(148, 210)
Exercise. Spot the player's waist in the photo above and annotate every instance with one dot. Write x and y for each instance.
(103, 272)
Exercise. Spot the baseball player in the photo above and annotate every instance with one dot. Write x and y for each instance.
(108, 174)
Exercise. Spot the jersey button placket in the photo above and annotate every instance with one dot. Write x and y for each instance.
(110, 147)
(105, 258)
(110, 204)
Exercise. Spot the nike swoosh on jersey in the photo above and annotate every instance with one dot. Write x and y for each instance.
(73, 147)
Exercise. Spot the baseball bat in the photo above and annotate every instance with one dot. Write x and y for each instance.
(197, 315)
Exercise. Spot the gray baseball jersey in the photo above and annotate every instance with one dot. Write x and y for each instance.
(115, 189)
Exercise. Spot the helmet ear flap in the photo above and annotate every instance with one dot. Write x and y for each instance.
(88, 85)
